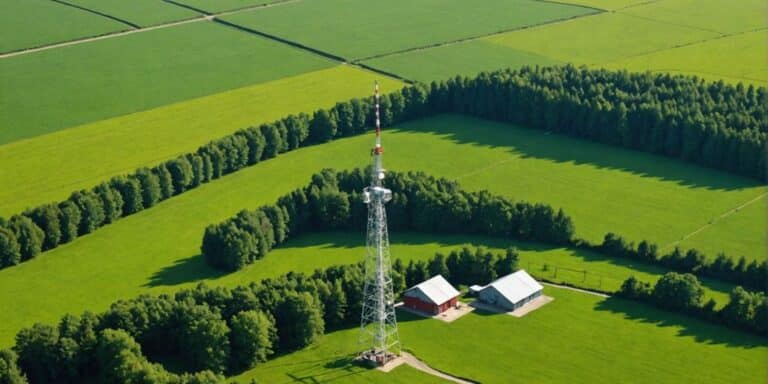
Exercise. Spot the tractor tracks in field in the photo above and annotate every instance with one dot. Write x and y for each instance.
(714, 221)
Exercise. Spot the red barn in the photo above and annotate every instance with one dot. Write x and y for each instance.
(433, 296)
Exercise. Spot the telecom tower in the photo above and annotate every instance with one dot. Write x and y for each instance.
(378, 326)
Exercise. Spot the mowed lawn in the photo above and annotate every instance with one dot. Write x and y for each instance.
(213, 6)
(330, 360)
(143, 13)
(122, 144)
(33, 23)
(131, 73)
(356, 29)
(157, 250)
(581, 338)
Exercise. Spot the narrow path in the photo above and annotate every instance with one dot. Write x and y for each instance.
(576, 289)
(714, 221)
(422, 366)
(203, 17)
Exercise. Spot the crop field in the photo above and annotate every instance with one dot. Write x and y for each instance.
(133, 255)
(183, 62)
(714, 15)
(32, 23)
(590, 340)
(143, 13)
(213, 6)
(737, 58)
(419, 23)
(148, 137)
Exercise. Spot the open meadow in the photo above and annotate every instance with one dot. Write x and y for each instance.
(147, 70)
(215, 6)
(144, 13)
(134, 255)
(28, 24)
(419, 23)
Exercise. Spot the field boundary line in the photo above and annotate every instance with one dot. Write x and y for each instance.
(574, 5)
(202, 17)
(671, 23)
(582, 290)
(477, 37)
(189, 7)
(714, 221)
(95, 12)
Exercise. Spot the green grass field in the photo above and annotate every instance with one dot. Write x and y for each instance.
(156, 250)
(712, 15)
(343, 27)
(141, 12)
(224, 5)
(33, 23)
(607, 4)
(136, 72)
(467, 58)
(738, 58)
(580, 338)
(146, 138)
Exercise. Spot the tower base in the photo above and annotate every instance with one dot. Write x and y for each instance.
(375, 358)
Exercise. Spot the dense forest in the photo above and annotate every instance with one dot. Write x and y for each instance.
(712, 124)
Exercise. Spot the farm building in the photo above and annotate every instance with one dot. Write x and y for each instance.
(433, 296)
(511, 291)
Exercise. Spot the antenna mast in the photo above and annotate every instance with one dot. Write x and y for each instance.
(378, 325)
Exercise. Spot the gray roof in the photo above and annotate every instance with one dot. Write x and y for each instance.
(516, 286)
(437, 290)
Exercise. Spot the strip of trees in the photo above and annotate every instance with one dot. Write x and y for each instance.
(753, 275)
(211, 331)
(712, 124)
(683, 293)
(420, 203)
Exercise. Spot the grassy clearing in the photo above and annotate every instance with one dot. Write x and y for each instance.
(607, 4)
(580, 338)
(330, 361)
(714, 15)
(600, 38)
(141, 12)
(418, 23)
(738, 58)
(224, 5)
(146, 138)
(136, 72)
(157, 249)
(33, 23)
(745, 232)
(468, 59)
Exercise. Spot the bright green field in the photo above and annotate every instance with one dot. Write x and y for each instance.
(715, 15)
(158, 248)
(606, 4)
(141, 12)
(358, 29)
(146, 138)
(223, 5)
(330, 361)
(136, 72)
(33, 23)
(600, 38)
(466, 58)
(580, 338)
(735, 58)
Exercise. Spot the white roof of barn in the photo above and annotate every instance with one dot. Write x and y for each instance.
(516, 286)
(437, 289)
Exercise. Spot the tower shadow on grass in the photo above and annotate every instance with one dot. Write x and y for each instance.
(561, 148)
(182, 271)
(701, 331)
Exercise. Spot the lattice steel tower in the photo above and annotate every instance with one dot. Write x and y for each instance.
(378, 325)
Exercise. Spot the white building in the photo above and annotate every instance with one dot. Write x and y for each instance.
(511, 291)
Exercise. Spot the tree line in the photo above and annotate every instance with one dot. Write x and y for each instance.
(712, 124)
(753, 275)
(212, 330)
(683, 293)
(420, 203)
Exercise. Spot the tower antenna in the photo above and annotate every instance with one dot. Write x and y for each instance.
(378, 325)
